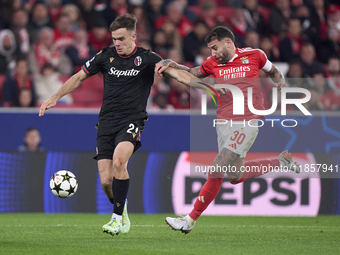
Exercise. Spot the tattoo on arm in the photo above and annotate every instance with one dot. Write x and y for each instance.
(197, 72)
(166, 62)
(173, 64)
(276, 75)
(178, 66)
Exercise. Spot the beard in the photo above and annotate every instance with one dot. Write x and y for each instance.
(224, 58)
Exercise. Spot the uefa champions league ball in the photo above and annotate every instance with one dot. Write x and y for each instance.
(63, 184)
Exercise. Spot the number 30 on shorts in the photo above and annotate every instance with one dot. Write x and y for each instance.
(238, 137)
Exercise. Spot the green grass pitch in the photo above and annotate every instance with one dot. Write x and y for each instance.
(67, 234)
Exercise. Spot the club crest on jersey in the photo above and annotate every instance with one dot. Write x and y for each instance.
(138, 61)
(245, 60)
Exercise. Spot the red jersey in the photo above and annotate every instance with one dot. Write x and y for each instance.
(241, 71)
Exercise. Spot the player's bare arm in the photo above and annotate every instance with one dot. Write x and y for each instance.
(276, 75)
(187, 78)
(182, 76)
(164, 64)
(70, 85)
(196, 71)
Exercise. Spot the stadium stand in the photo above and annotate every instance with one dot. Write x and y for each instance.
(322, 14)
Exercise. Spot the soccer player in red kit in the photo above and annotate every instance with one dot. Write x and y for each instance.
(230, 63)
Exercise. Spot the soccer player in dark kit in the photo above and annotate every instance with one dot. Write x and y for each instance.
(128, 73)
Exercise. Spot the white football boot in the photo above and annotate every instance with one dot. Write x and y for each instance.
(286, 160)
(184, 223)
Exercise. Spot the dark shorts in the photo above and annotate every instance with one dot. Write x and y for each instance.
(107, 143)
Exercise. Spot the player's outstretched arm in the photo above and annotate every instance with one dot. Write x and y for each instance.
(70, 85)
(164, 64)
(187, 79)
(276, 75)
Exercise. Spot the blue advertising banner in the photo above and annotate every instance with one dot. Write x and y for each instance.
(171, 132)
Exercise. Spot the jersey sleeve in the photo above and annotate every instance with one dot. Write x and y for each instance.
(263, 61)
(93, 65)
(207, 67)
(153, 59)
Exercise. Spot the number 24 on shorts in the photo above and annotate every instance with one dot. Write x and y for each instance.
(131, 128)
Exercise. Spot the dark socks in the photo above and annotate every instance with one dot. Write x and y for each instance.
(120, 189)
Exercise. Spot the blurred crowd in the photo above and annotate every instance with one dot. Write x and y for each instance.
(44, 41)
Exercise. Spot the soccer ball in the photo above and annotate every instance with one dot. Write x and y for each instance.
(63, 184)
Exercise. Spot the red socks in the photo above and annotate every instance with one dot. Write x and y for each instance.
(213, 185)
(207, 194)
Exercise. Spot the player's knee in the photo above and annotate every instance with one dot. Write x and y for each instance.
(118, 164)
(106, 183)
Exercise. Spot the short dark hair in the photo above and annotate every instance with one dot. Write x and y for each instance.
(20, 57)
(127, 21)
(47, 65)
(220, 33)
(30, 129)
